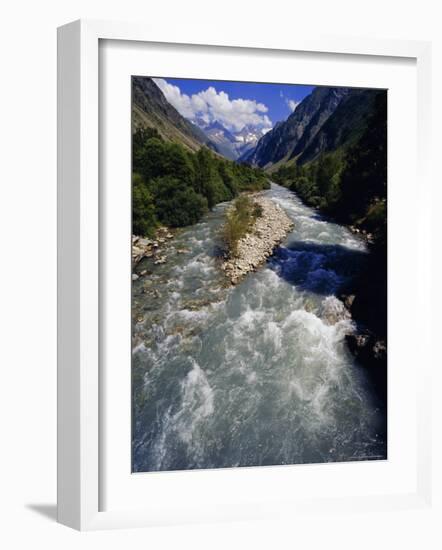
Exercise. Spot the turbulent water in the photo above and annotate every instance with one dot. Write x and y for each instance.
(256, 374)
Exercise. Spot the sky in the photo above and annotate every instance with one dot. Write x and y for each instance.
(233, 104)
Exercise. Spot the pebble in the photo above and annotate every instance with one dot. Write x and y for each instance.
(255, 247)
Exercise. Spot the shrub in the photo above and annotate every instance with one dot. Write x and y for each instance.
(174, 186)
(177, 204)
(239, 219)
(144, 220)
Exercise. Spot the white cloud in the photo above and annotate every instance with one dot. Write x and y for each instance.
(292, 104)
(211, 105)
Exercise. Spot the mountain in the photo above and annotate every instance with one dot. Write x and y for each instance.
(231, 144)
(247, 139)
(290, 137)
(342, 129)
(219, 135)
(151, 109)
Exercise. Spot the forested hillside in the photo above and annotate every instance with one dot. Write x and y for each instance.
(174, 186)
(348, 182)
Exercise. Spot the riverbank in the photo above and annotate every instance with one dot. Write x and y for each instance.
(268, 230)
(365, 299)
(142, 247)
(368, 308)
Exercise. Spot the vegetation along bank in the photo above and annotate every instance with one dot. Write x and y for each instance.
(254, 227)
(174, 186)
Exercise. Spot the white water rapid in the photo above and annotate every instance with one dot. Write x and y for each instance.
(257, 374)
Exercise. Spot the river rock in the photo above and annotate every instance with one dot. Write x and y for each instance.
(333, 311)
(380, 349)
(143, 247)
(348, 300)
(144, 242)
(258, 244)
(358, 344)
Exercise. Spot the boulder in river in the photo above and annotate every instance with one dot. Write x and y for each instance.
(333, 311)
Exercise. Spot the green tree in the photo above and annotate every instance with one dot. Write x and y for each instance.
(208, 181)
(177, 163)
(144, 220)
(176, 203)
(226, 173)
(139, 140)
(152, 158)
(175, 187)
(364, 180)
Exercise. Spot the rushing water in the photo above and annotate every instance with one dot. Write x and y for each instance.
(256, 374)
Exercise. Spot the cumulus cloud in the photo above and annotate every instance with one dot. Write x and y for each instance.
(292, 104)
(211, 105)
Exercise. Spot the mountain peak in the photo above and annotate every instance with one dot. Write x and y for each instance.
(283, 141)
(230, 143)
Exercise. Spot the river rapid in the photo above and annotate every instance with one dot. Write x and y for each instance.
(256, 374)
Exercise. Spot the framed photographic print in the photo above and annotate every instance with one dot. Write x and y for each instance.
(233, 228)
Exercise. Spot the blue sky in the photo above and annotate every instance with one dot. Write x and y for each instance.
(234, 104)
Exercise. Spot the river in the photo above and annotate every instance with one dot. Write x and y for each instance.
(256, 374)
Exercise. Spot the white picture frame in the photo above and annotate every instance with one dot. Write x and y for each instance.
(79, 294)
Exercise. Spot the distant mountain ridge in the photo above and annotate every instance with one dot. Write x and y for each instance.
(229, 143)
(151, 109)
(248, 138)
(327, 119)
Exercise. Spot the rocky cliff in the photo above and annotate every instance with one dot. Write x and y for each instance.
(292, 136)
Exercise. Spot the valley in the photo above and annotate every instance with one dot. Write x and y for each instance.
(285, 360)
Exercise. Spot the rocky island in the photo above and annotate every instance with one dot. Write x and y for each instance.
(268, 229)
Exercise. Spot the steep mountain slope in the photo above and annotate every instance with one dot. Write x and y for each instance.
(293, 135)
(151, 109)
(342, 129)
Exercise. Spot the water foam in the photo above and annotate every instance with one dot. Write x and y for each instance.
(256, 374)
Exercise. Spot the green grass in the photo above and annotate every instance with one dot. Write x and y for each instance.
(239, 220)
